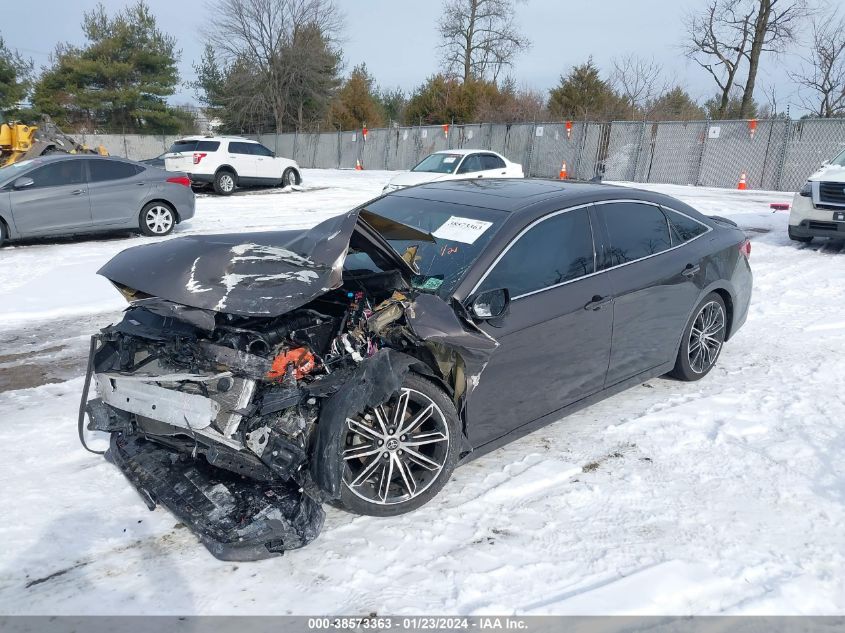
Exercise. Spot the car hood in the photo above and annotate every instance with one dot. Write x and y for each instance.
(258, 274)
(411, 178)
(830, 173)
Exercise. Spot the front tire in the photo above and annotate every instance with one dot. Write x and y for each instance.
(224, 183)
(157, 219)
(4, 235)
(399, 455)
(702, 340)
(804, 239)
(289, 177)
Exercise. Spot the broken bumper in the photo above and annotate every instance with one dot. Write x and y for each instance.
(236, 518)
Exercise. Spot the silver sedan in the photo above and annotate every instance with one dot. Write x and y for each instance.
(66, 194)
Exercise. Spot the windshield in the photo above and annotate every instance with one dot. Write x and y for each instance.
(439, 163)
(839, 160)
(461, 233)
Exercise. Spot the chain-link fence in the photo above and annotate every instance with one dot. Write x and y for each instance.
(774, 154)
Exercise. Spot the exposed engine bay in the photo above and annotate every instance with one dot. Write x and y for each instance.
(234, 421)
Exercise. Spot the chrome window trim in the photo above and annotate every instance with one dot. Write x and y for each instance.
(592, 231)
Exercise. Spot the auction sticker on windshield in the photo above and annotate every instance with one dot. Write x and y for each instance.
(464, 230)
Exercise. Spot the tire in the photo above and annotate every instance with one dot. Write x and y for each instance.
(414, 480)
(4, 233)
(804, 239)
(289, 177)
(224, 183)
(157, 219)
(698, 354)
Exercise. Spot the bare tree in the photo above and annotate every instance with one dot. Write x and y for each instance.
(824, 69)
(480, 37)
(730, 32)
(285, 50)
(773, 27)
(718, 38)
(637, 79)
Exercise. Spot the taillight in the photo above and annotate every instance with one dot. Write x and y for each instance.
(198, 156)
(745, 247)
(180, 180)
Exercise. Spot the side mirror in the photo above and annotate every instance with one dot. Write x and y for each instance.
(490, 304)
(23, 182)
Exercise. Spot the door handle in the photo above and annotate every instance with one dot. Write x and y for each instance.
(479, 176)
(691, 270)
(76, 192)
(597, 303)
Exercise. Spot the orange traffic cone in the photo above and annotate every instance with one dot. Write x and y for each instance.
(563, 175)
(360, 167)
(741, 184)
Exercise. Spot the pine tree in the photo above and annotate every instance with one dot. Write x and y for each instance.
(119, 80)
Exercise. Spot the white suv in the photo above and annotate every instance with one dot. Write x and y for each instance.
(818, 210)
(227, 162)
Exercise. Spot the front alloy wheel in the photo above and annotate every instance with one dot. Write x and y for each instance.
(399, 454)
(702, 340)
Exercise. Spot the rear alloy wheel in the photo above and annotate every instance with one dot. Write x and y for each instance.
(157, 219)
(289, 178)
(224, 183)
(702, 340)
(398, 455)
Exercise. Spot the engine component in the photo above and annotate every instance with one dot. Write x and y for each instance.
(302, 360)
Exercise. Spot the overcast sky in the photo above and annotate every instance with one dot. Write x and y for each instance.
(397, 39)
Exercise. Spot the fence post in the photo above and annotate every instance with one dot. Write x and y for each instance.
(787, 128)
(704, 134)
(531, 147)
(639, 153)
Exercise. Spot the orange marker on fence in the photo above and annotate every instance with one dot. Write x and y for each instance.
(358, 165)
(563, 175)
(741, 185)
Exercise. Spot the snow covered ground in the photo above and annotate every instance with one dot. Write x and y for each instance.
(722, 496)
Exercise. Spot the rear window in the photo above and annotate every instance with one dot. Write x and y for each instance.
(103, 169)
(194, 146)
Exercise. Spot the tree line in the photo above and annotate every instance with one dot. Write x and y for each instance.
(277, 65)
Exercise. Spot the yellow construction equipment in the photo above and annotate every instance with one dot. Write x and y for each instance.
(21, 142)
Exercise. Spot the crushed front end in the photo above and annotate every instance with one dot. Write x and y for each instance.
(228, 384)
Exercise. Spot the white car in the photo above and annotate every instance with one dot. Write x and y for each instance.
(457, 164)
(818, 209)
(227, 162)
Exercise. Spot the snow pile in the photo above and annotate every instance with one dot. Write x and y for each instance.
(721, 496)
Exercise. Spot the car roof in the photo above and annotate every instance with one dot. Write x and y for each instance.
(51, 158)
(508, 194)
(464, 152)
(215, 138)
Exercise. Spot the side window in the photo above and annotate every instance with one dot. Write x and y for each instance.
(635, 229)
(472, 163)
(683, 228)
(553, 251)
(259, 150)
(65, 172)
(492, 162)
(236, 147)
(207, 146)
(102, 170)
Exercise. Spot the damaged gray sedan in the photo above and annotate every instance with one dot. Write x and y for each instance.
(360, 361)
